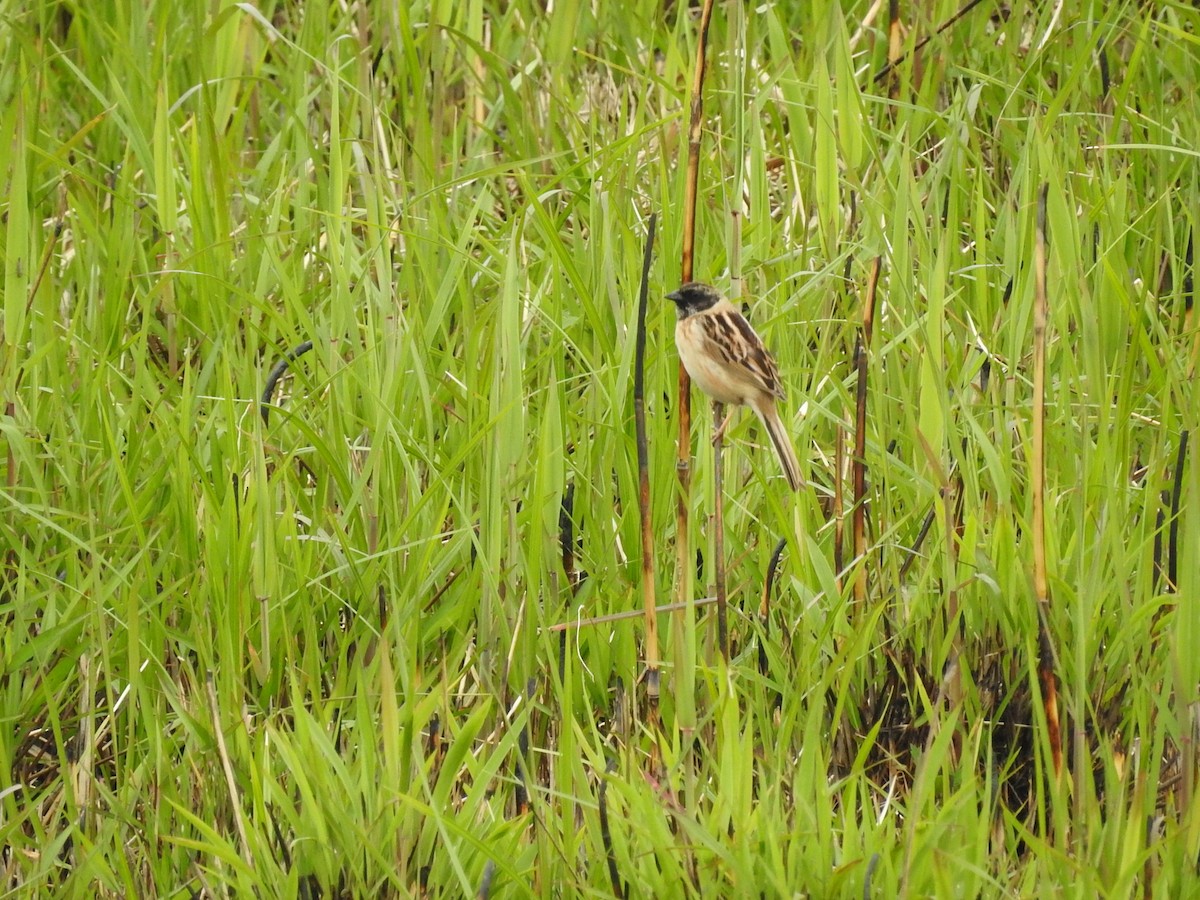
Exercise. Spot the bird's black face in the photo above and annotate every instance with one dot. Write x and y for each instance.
(694, 297)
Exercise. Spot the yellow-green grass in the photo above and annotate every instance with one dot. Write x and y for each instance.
(314, 657)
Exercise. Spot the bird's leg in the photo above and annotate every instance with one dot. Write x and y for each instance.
(718, 408)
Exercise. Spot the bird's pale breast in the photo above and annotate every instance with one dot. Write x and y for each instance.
(728, 384)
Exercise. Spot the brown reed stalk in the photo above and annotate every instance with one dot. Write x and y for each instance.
(685, 710)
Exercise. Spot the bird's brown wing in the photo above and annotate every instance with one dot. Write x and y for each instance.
(731, 338)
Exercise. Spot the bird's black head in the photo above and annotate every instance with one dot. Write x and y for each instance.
(694, 297)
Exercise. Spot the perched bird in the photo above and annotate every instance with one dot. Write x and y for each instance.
(728, 361)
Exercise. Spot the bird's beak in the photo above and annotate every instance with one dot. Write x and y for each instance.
(674, 295)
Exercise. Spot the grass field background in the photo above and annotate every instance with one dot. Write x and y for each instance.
(314, 657)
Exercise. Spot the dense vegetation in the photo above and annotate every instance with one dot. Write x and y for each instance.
(315, 656)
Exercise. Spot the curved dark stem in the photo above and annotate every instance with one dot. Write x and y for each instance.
(614, 877)
(915, 549)
(764, 608)
(1173, 532)
(264, 405)
(566, 532)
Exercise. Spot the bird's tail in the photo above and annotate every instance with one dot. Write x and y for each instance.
(783, 445)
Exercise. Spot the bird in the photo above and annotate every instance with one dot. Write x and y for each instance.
(730, 363)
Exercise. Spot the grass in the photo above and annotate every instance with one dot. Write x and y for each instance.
(314, 657)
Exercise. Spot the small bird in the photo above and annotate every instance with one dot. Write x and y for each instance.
(728, 361)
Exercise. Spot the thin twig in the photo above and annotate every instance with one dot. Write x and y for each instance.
(920, 45)
(915, 549)
(629, 614)
(43, 267)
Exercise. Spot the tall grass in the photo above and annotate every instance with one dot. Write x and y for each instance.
(315, 657)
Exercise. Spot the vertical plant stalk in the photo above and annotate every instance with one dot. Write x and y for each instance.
(1041, 585)
(718, 410)
(839, 505)
(43, 264)
(859, 463)
(719, 531)
(683, 468)
(643, 453)
(738, 26)
(695, 133)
